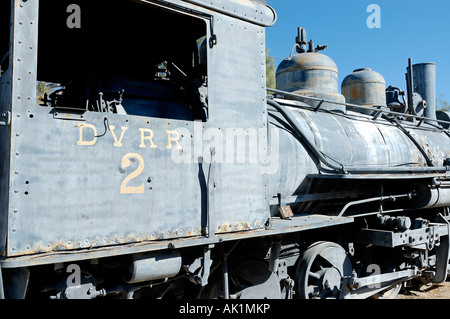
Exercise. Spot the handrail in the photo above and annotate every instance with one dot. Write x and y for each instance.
(373, 108)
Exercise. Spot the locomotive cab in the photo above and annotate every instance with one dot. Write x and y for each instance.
(127, 147)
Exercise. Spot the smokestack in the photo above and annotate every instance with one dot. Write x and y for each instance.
(425, 85)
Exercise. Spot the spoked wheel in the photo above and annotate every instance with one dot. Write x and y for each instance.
(248, 279)
(321, 269)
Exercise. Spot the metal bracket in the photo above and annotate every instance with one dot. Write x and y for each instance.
(317, 108)
(207, 262)
(213, 37)
(200, 269)
(59, 114)
(377, 113)
(213, 40)
(413, 238)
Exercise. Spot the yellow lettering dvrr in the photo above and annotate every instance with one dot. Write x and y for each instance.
(82, 142)
(148, 137)
(173, 136)
(117, 143)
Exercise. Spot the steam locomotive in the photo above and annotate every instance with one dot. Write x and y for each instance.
(161, 168)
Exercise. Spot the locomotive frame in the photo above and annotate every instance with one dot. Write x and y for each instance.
(171, 173)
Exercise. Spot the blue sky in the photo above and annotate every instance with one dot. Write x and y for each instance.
(417, 29)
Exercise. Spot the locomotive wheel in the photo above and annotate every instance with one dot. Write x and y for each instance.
(248, 279)
(321, 269)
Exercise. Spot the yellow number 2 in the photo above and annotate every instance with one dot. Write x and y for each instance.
(124, 189)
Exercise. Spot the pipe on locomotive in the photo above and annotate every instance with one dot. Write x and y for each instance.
(153, 266)
(287, 114)
(424, 77)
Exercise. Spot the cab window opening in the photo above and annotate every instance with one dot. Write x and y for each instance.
(134, 59)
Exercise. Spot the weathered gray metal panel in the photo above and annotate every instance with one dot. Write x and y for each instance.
(5, 137)
(238, 99)
(23, 93)
(359, 142)
(104, 180)
(77, 196)
(435, 143)
(293, 166)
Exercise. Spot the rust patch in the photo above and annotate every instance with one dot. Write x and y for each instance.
(101, 242)
(236, 227)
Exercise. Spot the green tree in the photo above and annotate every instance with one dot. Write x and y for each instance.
(270, 71)
(442, 105)
(43, 88)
